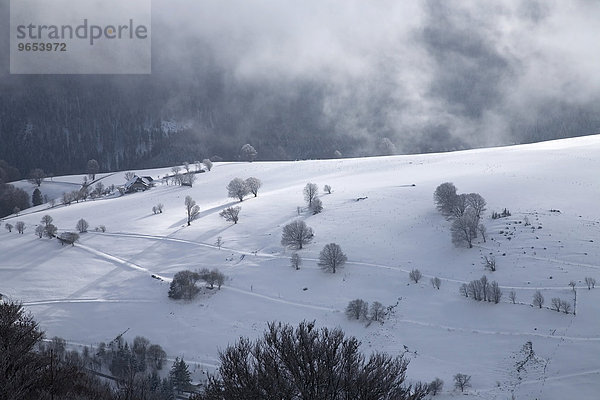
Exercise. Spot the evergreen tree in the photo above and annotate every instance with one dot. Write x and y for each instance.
(36, 198)
(180, 375)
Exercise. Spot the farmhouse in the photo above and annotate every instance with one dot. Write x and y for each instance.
(137, 184)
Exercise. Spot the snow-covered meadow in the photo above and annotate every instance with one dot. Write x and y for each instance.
(103, 285)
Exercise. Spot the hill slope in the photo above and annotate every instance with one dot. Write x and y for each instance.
(95, 290)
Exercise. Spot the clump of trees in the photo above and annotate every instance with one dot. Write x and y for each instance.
(465, 212)
(183, 285)
(482, 290)
(589, 281)
(559, 304)
(296, 234)
(212, 277)
(231, 214)
(503, 214)
(332, 257)
(47, 229)
(308, 363)
(358, 309)
(68, 238)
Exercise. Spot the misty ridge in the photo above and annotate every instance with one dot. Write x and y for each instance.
(315, 79)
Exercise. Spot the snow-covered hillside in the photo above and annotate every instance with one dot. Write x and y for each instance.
(102, 286)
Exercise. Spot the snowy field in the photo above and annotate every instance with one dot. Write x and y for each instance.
(103, 286)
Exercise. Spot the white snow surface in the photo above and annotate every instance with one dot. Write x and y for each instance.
(102, 286)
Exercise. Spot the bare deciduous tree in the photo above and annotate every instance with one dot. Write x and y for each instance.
(207, 163)
(464, 290)
(253, 185)
(129, 175)
(36, 176)
(296, 234)
(538, 299)
(415, 275)
(512, 296)
(464, 228)
(327, 189)
(82, 225)
(311, 191)
(357, 309)
(436, 282)
(494, 292)
(332, 257)
(565, 306)
(9, 227)
(192, 209)
(556, 303)
(435, 386)
(462, 381)
(237, 189)
(92, 168)
(296, 261)
(159, 207)
(39, 230)
(477, 203)
(482, 231)
(489, 262)
(219, 242)
(377, 312)
(460, 206)
(188, 179)
(231, 214)
(317, 206)
(444, 197)
(47, 220)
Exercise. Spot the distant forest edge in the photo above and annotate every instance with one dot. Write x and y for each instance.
(58, 123)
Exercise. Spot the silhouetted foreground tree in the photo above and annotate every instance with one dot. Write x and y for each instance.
(29, 374)
(308, 363)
